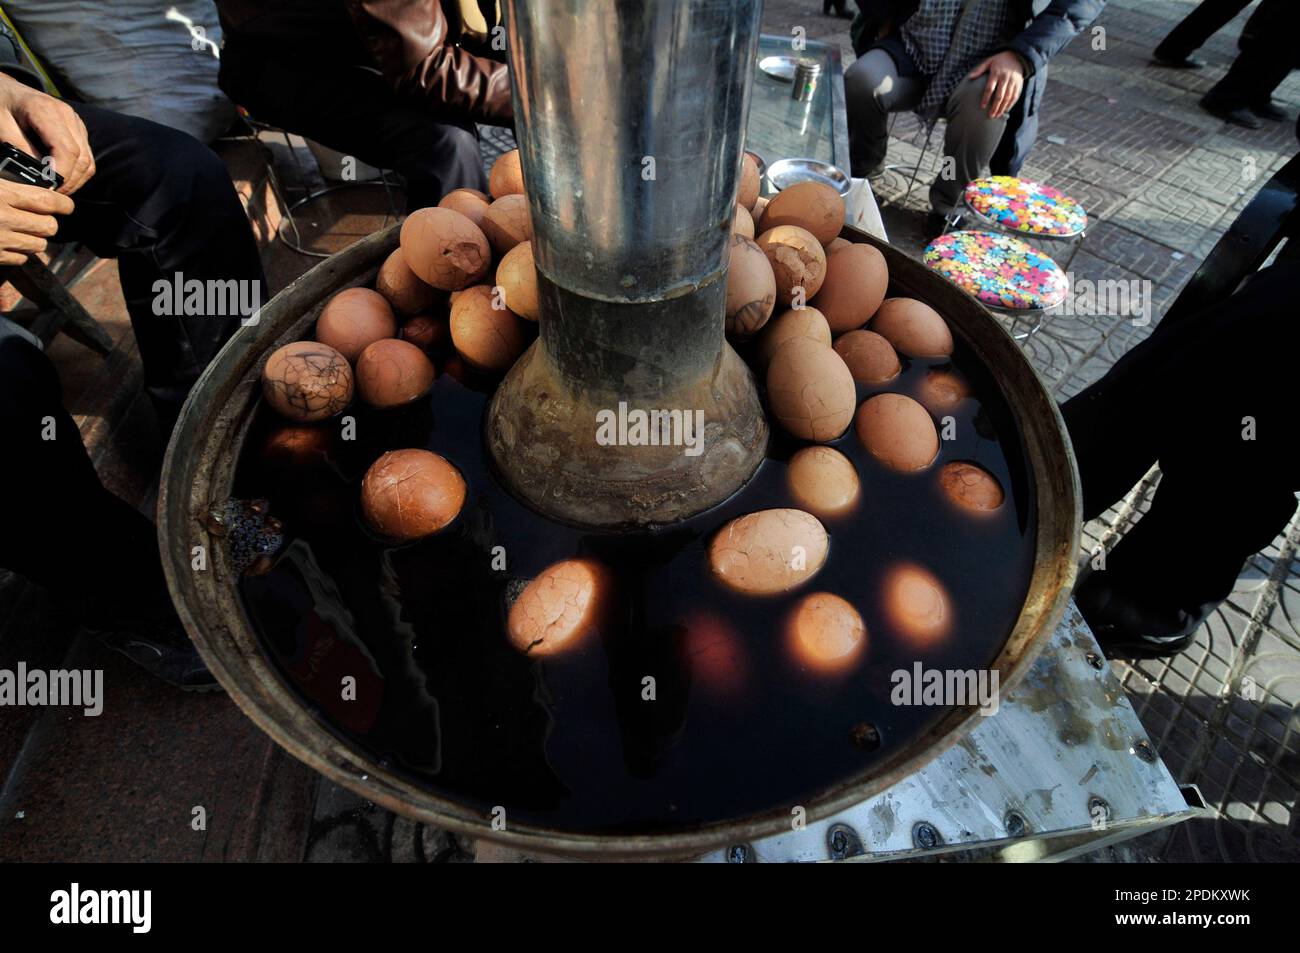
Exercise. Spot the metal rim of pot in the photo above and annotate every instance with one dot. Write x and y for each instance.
(207, 443)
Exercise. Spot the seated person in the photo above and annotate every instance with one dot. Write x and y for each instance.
(389, 83)
(981, 66)
(163, 205)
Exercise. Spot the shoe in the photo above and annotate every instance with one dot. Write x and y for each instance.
(1173, 60)
(1266, 110)
(1237, 115)
(1127, 629)
(161, 647)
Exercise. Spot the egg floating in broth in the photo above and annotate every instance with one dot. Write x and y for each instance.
(917, 605)
(768, 552)
(409, 494)
(869, 357)
(392, 373)
(823, 481)
(913, 328)
(559, 609)
(307, 380)
(898, 432)
(825, 634)
(971, 487)
(810, 391)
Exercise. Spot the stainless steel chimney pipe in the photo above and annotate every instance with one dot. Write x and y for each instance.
(630, 118)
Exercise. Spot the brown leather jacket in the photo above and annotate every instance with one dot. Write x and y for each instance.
(414, 43)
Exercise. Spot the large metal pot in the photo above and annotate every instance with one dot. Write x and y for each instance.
(206, 446)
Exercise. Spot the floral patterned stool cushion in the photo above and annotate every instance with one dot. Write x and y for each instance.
(1019, 205)
(1000, 270)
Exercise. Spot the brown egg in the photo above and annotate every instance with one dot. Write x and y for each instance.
(354, 318)
(769, 551)
(757, 213)
(751, 289)
(750, 183)
(507, 176)
(488, 338)
(508, 222)
(559, 608)
(471, 203)
(307, 380)
(517, 279)
(898, 431)
(856, 279)
(835, 244)
(813, 206)
(444, 248)
(393, 372)
(409, 494)
(742, 223)
(293, 450)
(916, 604)
(870, 358)
(826, 634)
(823, 481)
(807, 323)
(971, 487)
(942, 390)
(810, 391)
(715, 655)
(402, 288)
(425, 332)
(797, 261)
(913, 327)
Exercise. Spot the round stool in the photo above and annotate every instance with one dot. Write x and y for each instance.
(1002, 272)
(1019, 206)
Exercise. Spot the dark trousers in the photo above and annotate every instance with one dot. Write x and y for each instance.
(353, 110)
(1187, 397)
(1268, 54)
(1207, 19)
(161, 203)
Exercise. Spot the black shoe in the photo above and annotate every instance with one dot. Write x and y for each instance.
(1266, 110)
(1127, 629)
(1237, 115)
(1176, 60)
(161, 648)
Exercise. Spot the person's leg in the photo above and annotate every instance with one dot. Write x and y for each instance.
(354, 111)
(873, 89)
(1207, 19)
(163, 205)
(968, 144)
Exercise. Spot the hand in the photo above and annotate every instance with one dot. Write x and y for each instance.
(27, 114)
(27, 219)
(1006, 82)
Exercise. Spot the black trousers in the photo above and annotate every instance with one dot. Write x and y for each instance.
(1210, 399)
(1268, 54)
(1207, 19)
(160, 203)
(353, 110)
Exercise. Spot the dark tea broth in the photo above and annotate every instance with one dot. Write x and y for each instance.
(569, 741)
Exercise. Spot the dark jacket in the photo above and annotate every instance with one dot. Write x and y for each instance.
(1049, 26)
(415, 44)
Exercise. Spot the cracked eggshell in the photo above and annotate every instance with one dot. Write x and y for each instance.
(444, 248)
(826, 634)
(823, 481)
(517, 279)
(854, 287)
(942, 390)
(917, 605)
(307, 380)
(471, 203)
(559, 608)
(425, 332)
(813, 206)
(715, 655)
(798, 261)
(913, 327)
(354, 318)
(768, 552)
(971, 488)
(898, 432)
(751, 289)
(507, 177)
(750, 184)
(393, 372)
(410, 494)
(490, 339)
(810, 391)
(508, 222)
(870, 358)
(742, 223)
(797, 323)
(402, 288)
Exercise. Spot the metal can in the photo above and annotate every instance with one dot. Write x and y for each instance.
(806, 73)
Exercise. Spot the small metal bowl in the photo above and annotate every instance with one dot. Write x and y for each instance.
(780, 68)
(784, 173)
